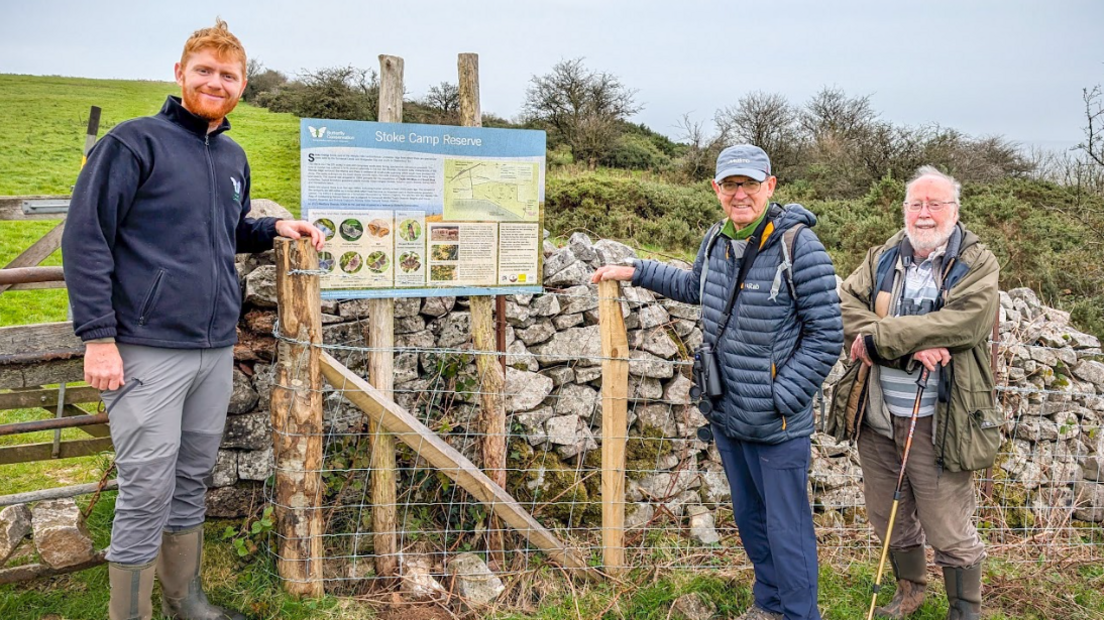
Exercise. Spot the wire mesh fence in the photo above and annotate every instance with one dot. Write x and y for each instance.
(1042, 500)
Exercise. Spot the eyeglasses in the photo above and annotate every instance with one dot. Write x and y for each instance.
(750, 186)
(935, 206)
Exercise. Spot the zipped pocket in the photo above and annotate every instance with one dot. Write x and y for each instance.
(151, 297)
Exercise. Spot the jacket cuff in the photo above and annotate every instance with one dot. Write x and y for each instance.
(98, 333)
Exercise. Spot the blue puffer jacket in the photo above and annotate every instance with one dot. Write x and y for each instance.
(774, 353)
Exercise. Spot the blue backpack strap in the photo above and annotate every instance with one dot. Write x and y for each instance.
(713, 233)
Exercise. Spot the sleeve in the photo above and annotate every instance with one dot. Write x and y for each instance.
(821, 340)
(855, 295)
(253, 235)
(679, 284)
(963, 322)
(104, 192)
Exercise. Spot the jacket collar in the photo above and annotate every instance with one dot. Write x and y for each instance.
(174, 111)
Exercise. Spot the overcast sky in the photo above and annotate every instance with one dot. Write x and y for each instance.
(1009, 67)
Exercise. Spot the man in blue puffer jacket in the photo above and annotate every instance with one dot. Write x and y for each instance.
(782, 336)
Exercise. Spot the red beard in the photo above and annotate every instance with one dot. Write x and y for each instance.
(206, 109)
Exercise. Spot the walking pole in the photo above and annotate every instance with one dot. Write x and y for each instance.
(922, 383)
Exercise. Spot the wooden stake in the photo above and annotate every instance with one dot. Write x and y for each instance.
(381, 338)
(446, 459)
(297, 421)
(491, 374)
(615, 407)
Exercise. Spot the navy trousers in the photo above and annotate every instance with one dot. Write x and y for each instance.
(770, 501)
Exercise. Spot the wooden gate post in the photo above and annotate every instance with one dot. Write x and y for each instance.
(615, 407)
(381, 338)
(491, 374)
(297, 420)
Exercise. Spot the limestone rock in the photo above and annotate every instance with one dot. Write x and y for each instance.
(567, 321)
(260, 287)
(256, 464)
(454, 329)
(539, 332)
(438, 306)
(702, 528)
(545, 306)
(525, 390)
(251, 431)
(570, 346)
(575, 273)
(582, 247)
(243, 397)
(234, 502)
(653, 316)
(645, 364)
(693, 606)
(60, 535)
(15, 524)
(654, 341)
(579, 299)
(610, 252)
(638, 515)
(417, 581)
(677, 391)
(1091, 371)
(1089, 501)
(519, 357)
(225, 472)
(576, 400)
(558, 261)
(559, 374)
(475, 583)
(533, 423)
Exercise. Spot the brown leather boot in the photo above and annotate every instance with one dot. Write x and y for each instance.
(131, 589)
(911, 568)
(178, 566)
(963, 592)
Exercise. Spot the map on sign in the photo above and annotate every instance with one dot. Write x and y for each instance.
(478, 190)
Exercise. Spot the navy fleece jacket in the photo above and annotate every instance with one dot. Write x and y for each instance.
(155, 219)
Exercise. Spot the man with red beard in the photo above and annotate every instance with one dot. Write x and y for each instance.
(155, 220)
(928, 297)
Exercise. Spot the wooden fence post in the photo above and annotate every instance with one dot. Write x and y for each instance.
(297, 421)
(381, 338)
(491, 374)
(615, 407)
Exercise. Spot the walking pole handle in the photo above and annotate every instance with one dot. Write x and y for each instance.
(922, 382)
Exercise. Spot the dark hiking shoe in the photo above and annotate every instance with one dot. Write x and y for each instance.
(758, 613)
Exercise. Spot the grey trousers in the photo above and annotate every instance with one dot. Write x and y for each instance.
(935, 508)
(166, 431)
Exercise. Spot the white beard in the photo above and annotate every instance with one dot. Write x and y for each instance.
(926, 240)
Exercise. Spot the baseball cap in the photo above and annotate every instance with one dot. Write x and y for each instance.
(743, 160)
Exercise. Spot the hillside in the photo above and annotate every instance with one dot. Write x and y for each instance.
(1044, 234)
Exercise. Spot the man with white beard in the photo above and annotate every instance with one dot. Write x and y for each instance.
(927, 297)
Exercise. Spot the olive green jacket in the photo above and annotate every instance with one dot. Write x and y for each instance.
(967, 424)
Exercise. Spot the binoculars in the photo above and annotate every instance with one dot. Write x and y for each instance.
(708, 385)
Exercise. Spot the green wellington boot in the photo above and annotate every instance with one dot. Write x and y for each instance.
(911, 568)
(178, 568)
(963, 592)
(131, 589)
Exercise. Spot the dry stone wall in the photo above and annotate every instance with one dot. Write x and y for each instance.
(1051, 391)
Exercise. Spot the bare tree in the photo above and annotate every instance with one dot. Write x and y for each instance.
(1093, 145)
(580, 107)
(766, 120)
(702, 148)
(444, 101)
(831, 111)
